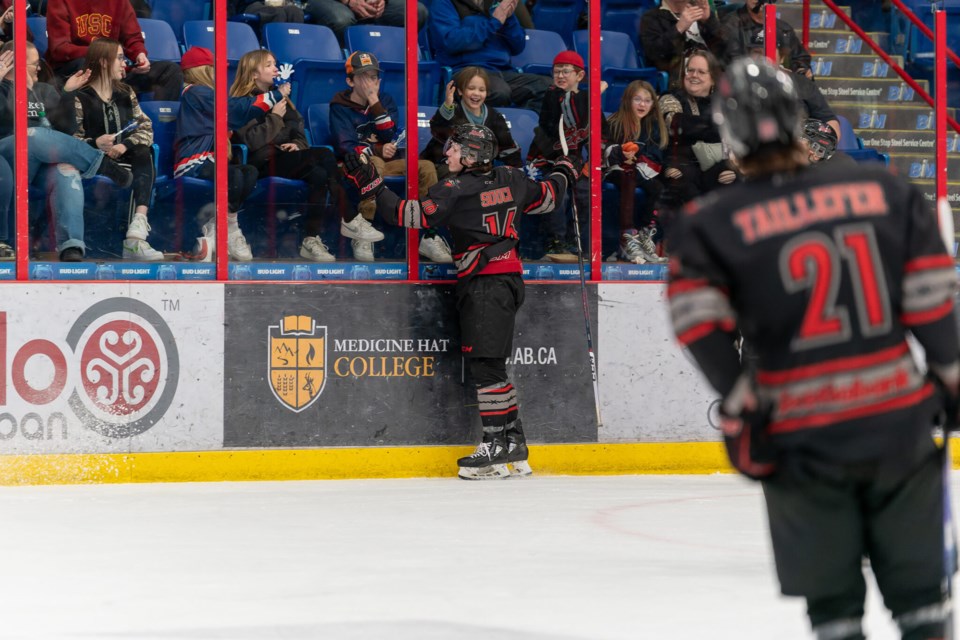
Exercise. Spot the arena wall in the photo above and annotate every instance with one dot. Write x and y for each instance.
(222, 381)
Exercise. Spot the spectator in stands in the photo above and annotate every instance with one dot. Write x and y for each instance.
(695, 160)
(364, 120)
(277, 145)
(671, 32)
(485, 33)
(109, 119)
(339, 15)
(73, 24)
(470, 86)
(640, 132)
(267, 10)
(56, 161)
(194, 145)
(820, 141)
(745, 25)
(564, 100)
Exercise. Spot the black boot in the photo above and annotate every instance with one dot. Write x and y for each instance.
(489, 461)
(517, 453)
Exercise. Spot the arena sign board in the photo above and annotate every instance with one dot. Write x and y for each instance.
(373, 365)
(106, 368)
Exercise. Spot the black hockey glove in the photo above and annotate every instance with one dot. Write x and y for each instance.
(361, 172)
(569, 166)
(948, 416)
(748, 445)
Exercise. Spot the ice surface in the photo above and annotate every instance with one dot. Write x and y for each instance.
(543, 558)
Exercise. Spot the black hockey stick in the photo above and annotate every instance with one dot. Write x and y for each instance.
(945, 222)
(583, 283)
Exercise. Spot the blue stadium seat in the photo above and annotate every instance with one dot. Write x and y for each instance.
(537, 57)
(176, 12)
(160, 40)
(318, 124)
(424, 114)
(559, 16)
(522, 123)
(389, 45)
(619, 65)
(38, 27)
(316, 56)
(240, 37)
(240, 40)
(849, 140)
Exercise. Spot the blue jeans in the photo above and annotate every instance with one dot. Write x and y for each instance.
(337, 16)
(47, 148)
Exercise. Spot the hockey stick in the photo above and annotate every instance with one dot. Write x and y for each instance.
(945, 221)
(583, 284)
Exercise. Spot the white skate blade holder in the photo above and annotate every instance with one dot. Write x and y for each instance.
(489, 472)
(520, 468)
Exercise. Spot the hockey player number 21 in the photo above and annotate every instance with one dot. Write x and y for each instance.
(492, 222)
(814, 262)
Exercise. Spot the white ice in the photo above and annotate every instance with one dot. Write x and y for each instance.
(543, 558)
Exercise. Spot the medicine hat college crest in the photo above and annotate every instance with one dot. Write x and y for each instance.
(298, 361)
(129, 367)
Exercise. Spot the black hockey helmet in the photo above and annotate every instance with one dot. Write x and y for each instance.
(820, 137)
(756, 107)
(476, 142)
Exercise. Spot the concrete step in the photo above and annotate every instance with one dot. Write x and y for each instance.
(853, 66)
(869, 91)
(929, 190)
(923, 167)
(838, 41)
(820, 16)
(887, 116)
(894, 142)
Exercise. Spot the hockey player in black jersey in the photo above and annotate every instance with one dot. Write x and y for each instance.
(826, 273)
(481, 204)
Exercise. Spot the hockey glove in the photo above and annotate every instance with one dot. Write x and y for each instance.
(948, 416)
(748, 445)
(569, 166)
(361, 172)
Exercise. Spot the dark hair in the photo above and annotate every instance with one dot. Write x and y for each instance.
(101, 54)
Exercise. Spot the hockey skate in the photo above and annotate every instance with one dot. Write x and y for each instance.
(517, 453)
(488, 462)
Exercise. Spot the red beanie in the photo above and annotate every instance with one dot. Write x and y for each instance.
(196, 57)
(569, 57)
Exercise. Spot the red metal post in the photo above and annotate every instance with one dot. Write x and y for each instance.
(596, 113)
(221, 142)
(412, 101)
(21, 189)
(806, 23)
(770, 33)
(940, 95)
(924, 29)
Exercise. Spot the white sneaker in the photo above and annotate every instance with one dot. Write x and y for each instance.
(360, 229)
(436, 249)
(134, 249)
(649, 248)
(631, 249)
(314, 249)
(204, 250)
(139, 227)
(362, 251)
(237, 247)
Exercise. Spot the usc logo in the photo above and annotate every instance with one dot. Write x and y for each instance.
(94, 25)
